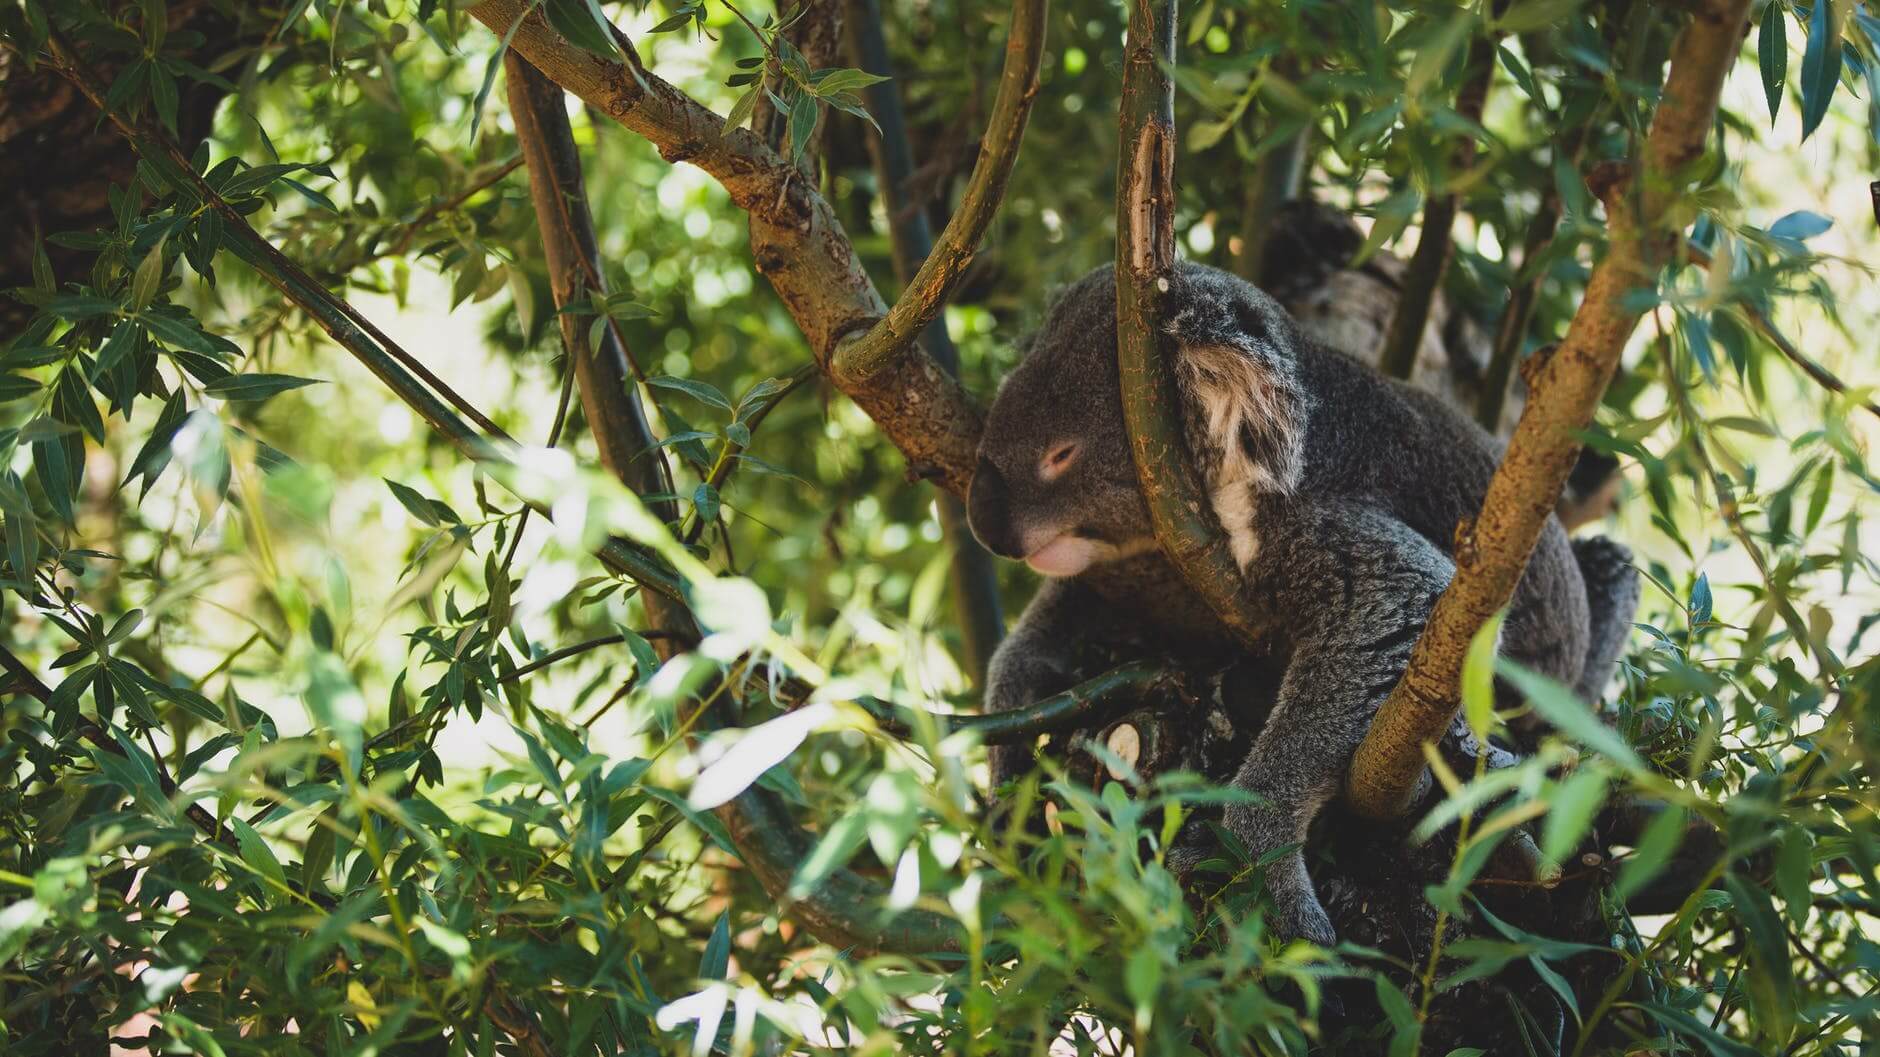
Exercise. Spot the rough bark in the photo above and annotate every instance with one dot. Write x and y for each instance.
(1145, 259)
(1491, 553)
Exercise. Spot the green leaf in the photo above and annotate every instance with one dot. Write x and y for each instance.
(741, 110)
(18, 922)
(829, 82)
(703, 392)
(149, 277)
(705, 501)
(430, 511)
(1655, 848)
(13, 387)
(582, 22)
(1571, 716)
(1478, 676)
(716, 962)
(1570, 812)
(1771, 974)
(182, 334)
(1679, 1020)
(256, 853)
(76, 307)
(1772, 55)
(804, 114)
(255, 387)
(1821, 66)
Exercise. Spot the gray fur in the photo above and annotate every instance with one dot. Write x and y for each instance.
(1340, 490)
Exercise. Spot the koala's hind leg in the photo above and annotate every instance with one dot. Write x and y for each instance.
(1362, 586)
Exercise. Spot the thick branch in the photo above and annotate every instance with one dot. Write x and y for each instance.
(926, 295)
(1436, 245)
(975, 587)
(795, 238)
(1493, 552)
(1145, 263)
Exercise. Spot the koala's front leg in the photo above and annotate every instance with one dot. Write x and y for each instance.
(1362, 586)
(1034, 662)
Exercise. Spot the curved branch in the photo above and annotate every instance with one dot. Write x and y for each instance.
(796, 240)
(1145, 261)
(1491, 553)
(926, 295)
(973, 583)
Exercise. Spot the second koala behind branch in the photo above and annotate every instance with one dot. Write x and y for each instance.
(1340, 491)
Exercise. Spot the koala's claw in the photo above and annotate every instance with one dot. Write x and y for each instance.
(1300, 916)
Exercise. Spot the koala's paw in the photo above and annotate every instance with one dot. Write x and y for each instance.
(1299, 916)
(1194, 846)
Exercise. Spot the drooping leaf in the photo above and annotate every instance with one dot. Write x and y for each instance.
(1772, 55)
(1821, 66)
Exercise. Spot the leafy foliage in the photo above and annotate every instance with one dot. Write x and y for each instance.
(342, 749)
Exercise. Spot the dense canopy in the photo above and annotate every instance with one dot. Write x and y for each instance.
(482, 569)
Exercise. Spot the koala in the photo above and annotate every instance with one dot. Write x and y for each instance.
(1339, 490)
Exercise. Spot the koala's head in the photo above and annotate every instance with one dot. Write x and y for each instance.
(1055, 484)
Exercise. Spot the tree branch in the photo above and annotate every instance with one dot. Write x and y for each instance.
(891, 340)
(1435, 246)
(1145, 263)
(796, 240)
(603, 375)
(1492, 553)
(975, 587)
(1821, 375)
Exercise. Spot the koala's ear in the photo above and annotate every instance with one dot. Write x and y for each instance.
(1245, 417)
(1244, 407)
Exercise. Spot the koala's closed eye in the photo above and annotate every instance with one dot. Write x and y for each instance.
(1058, 460)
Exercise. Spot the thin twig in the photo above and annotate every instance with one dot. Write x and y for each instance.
(1821, 375)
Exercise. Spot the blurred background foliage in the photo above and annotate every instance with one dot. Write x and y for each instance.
(297, 595)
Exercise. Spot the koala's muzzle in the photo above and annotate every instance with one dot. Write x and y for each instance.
(989, 511)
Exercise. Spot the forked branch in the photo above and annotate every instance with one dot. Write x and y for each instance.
(1492, 552)
(796, 240)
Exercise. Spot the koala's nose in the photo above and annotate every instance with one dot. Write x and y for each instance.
(988, 511)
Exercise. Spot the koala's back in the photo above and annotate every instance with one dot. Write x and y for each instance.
(1373, 437)
(1381, 440)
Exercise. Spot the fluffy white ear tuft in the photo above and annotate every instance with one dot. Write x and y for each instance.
(1245, 424)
